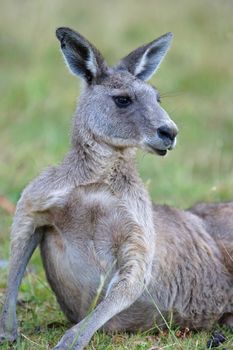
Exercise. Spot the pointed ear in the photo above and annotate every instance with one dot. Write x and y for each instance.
(145, 60)
(81, 57)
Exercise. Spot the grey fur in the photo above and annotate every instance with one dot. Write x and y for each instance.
(96, 224)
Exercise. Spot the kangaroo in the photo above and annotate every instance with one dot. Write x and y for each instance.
(113, 259)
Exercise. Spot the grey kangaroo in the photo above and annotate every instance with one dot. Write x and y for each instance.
(114, 260)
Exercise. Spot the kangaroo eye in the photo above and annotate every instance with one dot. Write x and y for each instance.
(122, 101)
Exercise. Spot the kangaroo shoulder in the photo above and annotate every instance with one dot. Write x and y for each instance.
(47, 190)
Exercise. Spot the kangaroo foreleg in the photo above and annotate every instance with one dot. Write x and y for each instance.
(24, 242)
(127, 285)
(33, 212)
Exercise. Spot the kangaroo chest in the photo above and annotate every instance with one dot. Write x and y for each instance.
(91, 227)
(97, 215)
(80, 250)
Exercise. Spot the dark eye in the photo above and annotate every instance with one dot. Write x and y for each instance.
(158, 98)
(122, 101)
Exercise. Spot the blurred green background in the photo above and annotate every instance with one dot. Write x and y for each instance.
(38, 95)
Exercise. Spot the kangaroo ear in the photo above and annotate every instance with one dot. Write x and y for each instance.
(145, 60)
(81, 57)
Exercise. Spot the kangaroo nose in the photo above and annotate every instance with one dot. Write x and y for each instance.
(166, 132)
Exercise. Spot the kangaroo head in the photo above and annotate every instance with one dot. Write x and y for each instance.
(117, 106)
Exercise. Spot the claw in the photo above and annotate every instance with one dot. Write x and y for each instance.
(69, 341)
(6, 334)
(10, 338)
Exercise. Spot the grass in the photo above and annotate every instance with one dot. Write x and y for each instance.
(38, 98)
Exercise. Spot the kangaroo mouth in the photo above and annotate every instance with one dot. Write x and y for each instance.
(161, 152)
(153, 148)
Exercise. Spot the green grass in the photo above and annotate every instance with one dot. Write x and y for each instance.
(38, 98)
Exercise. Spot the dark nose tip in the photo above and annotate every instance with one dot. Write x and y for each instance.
(166, 132)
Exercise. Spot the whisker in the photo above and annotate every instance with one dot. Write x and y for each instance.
(171, 94)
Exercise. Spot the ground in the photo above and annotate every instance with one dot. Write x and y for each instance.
(38, 97)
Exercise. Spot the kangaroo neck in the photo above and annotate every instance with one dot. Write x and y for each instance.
(89, 162)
